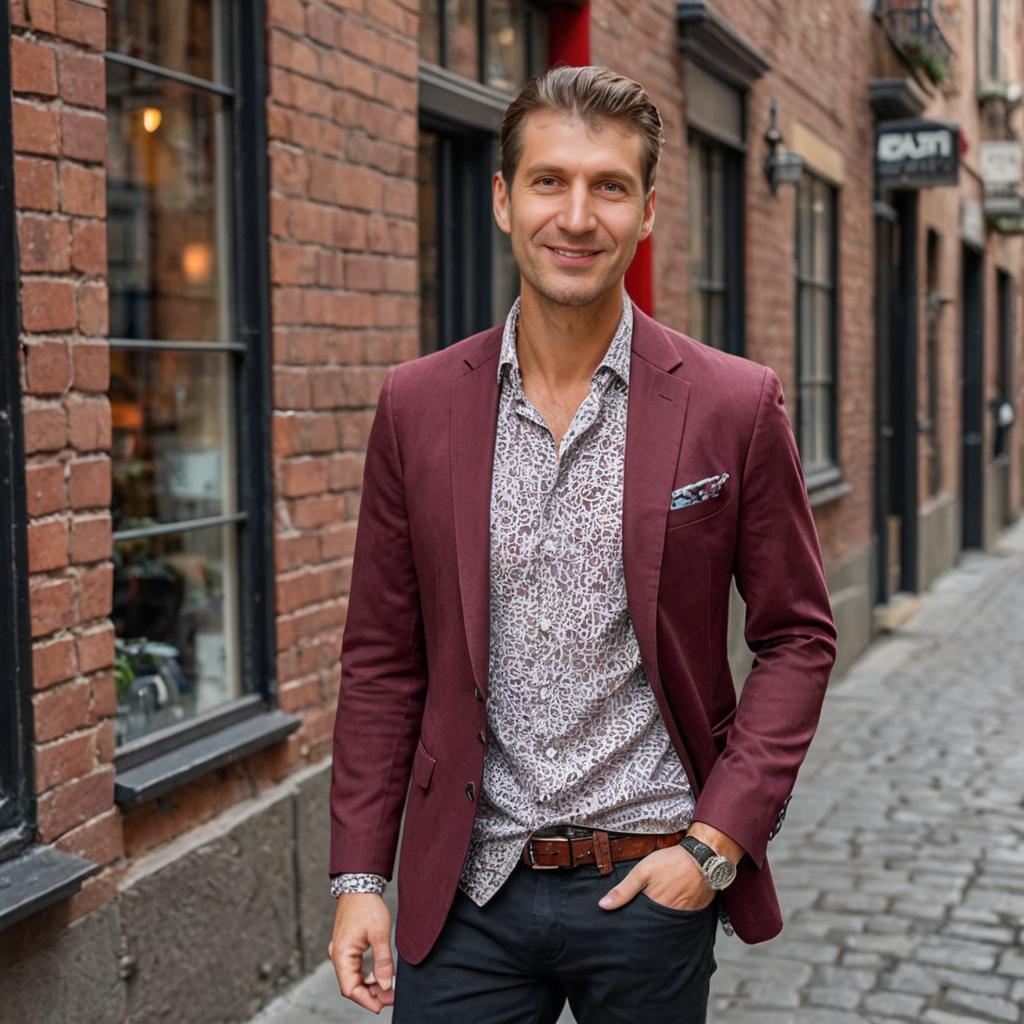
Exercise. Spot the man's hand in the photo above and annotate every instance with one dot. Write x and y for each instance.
(670, 877)
(362, 921)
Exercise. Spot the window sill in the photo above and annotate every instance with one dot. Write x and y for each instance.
(826, 486)
(177, 767)
(37, 878)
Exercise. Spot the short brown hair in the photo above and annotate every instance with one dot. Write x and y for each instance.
(592, 93)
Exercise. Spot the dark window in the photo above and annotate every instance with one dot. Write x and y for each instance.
(935, 304)
(1003, 400)
(715, 183)
(188, 387)
(474, 57)
(816, 327)
(16, 786)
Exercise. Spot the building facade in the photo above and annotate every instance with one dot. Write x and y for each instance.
(222, 222)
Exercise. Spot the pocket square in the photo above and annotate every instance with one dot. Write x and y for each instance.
(698, 491)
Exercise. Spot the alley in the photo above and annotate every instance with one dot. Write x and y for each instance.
(901, 862)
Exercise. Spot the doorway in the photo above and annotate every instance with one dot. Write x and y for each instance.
(895, 515)
(972, 427)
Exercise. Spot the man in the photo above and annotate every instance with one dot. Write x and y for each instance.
(552, 514)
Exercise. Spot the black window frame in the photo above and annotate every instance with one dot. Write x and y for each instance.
(153, 764)
(1005, 300)
(466, 115)
(830, 473)
(732, 286)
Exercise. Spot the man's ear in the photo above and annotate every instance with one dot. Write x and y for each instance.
(647, 224)
(499, 203)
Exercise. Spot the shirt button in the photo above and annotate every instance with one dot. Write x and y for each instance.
(551, 751)
(470, 791)
(550, 546)
(545, 623)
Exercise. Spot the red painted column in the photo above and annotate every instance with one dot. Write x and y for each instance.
(569, 43)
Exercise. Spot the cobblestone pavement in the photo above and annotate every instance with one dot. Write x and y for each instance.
(901, 862)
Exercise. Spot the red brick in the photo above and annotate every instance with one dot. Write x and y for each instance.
(289, 171)
(45, 491)
(60, 710)
(93, 308)
(286, 14)
(44, 244)
(69, 757)
(32, 68)
(304, 476)
(96, 589)
(100, 840)
(322, 24)
(317, 511)
(106, 742)
(90, 365)
(291, 388)
(83, 136)
(53, 662)
(45, 428)
(89, 247)
(90, 539)
(88, 423)
(47, 545)
(82, 190)
(104, 696)
(82, 80)
(96, 649)
(42, 15)
(35, 183)
(35, 129)
(89, 485)
(296, 550)
(47, 305)
(338, 541)
(285, 51)
(47, 367)
(50, 605)
(81, 23)
(345, 470)
(61, 809)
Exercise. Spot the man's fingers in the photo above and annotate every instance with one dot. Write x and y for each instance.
(383, 966)
(351, 983)
(623, 892)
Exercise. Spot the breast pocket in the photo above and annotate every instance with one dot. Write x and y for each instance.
(691, 514)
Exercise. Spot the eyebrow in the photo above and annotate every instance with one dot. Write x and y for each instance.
(611, 172)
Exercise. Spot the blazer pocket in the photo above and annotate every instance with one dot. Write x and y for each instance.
(695, 513)
(422, 766)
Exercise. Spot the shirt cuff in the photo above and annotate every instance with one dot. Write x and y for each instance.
(354, 882)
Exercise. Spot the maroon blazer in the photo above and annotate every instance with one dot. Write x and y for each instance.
(414, 660)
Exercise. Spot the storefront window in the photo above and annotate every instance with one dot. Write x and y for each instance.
(174, 363)
(816, 324)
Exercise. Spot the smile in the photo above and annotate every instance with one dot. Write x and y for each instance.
(566, 254)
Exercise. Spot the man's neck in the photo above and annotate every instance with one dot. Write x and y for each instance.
(561, 345)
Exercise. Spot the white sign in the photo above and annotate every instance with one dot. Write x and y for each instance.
(1000, 162)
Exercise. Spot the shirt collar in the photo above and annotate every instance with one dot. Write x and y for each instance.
(616, 358)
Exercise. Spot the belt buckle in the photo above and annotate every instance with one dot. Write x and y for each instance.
(542, 867)
(569, 833)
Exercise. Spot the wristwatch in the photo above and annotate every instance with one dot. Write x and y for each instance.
(718, 871)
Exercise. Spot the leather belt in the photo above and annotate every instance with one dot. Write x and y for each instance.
(592, 846)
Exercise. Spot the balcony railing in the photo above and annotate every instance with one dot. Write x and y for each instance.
(914, 29)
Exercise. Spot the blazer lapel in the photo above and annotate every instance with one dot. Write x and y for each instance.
(474, 419)
(655, 421)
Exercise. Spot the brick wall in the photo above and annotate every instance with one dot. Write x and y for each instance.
(59, 131)
(343, 132)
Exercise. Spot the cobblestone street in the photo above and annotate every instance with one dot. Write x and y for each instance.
(901, 863)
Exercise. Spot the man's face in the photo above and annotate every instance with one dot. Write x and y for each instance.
(575, 210)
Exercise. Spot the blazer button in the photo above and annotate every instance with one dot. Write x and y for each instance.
(470, 791)
(477, 693)
(482, 736)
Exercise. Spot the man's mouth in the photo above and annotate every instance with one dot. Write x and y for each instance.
(574, 254)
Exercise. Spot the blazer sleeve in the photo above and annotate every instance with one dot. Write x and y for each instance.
(789, 627)
(383, 666)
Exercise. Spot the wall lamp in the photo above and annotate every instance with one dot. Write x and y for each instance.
(780, 166)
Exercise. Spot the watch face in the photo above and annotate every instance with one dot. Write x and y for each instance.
(719, 871)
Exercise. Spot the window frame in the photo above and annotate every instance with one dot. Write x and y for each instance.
(732, 237)
(466, 116)
(829, 473)
(173, 749)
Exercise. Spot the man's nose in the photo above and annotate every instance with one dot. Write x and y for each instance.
(576, 216)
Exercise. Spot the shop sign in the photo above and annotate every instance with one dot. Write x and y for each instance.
(1000, 175)
(913, 153)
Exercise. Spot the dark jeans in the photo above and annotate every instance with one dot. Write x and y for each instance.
(542, 938)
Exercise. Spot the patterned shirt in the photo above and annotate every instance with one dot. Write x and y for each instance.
(575, 735)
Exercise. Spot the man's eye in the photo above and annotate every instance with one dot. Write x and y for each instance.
(612, 184)
(546, 180)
